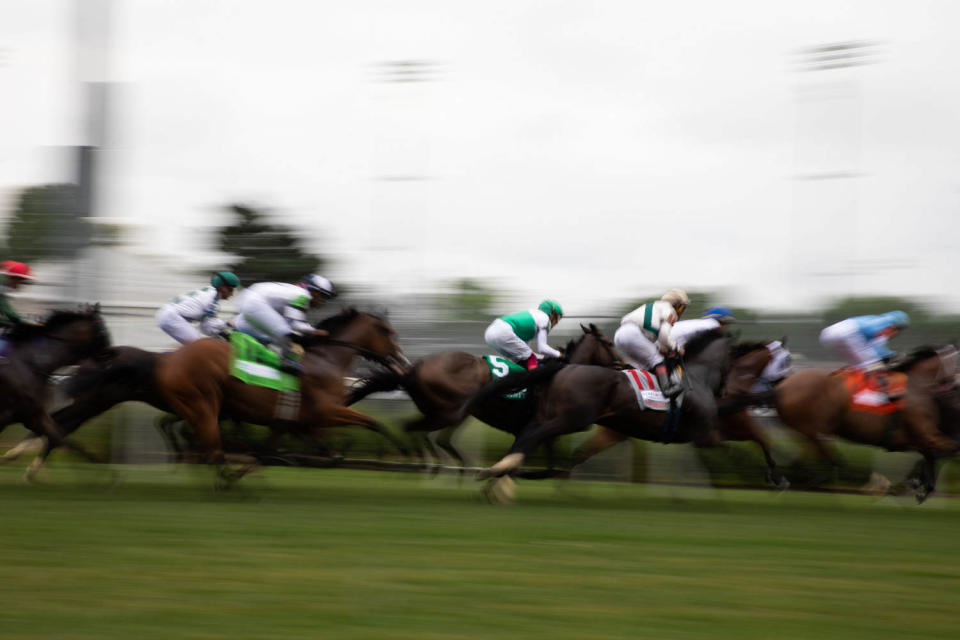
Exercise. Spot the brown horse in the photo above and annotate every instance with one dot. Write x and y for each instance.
(579, 396)
(195, 382)
(440, 384)
(818, 405)
(749, 360)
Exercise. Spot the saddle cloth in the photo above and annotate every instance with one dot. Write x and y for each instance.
(253, 363)
(647, 390)
(872, 392)
(501, 367)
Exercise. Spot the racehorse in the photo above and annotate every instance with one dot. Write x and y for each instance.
(196, 384)
(33, 353)
(578, 396)
(131, 374)
(750, 366)
(818, 405)
(440, 384)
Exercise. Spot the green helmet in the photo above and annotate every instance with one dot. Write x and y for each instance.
(224, 279)
(550, 306)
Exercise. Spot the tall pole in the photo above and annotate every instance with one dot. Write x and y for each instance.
(92, 30)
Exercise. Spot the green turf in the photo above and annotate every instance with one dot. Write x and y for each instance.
(347, 554)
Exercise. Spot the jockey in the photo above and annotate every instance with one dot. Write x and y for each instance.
(198, 306)
(273, 312)
(15, 274)
(714, 318)
(645, 335)
(862, 341)
(509, 334)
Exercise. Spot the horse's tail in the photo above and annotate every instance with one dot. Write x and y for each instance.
(513, 382)
(381, 381)
(737, 403)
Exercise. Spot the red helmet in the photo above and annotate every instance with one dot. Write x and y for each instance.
(15, 270)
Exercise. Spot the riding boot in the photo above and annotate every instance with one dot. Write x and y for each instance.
(290, 359)
(667, 387)
(531, 362)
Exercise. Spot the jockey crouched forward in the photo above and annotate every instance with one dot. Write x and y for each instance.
(273, 312)
(645, 336)
(509, 334)
(201, 306)
(862, 340)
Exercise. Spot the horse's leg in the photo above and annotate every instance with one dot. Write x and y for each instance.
(602, 440)
(338, 415)
(928, 478)
(41, 422)
(27, 445)
(740, 426)
(533, 436)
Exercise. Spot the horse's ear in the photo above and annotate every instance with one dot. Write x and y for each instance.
(96, 307)
(594, 329)
(585, 330)
(783, 340)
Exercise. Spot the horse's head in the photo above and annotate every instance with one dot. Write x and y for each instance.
(84, 331)
(370, 334)
(753, 361)
(930, 365)
(592, 348)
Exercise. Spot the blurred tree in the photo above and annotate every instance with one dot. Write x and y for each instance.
(470, 300)
(264, 251)
(45, 225)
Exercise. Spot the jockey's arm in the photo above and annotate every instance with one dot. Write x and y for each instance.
(297, 318)
(664, 339)
(543, 347)
(7, 311)
(879, 345)
(211, 325)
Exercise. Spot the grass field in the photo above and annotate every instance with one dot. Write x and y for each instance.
(346, 554)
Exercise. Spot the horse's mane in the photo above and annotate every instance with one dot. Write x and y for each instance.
(919, 354)
(335, 323)
(701, 341)
(23, 332)
(743, 348)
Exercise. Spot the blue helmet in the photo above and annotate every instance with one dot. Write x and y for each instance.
(898, 319)
(722, 314)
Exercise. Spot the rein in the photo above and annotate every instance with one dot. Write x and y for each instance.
(363, 351)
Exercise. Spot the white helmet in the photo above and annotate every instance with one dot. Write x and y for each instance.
(316, 282)
(676, 297)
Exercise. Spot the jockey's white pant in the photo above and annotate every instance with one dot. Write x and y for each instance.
(636, 347)
(845, 339)
(500, 336)
(176, 325)
(258, 319)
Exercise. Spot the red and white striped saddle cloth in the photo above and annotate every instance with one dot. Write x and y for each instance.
(645, 386)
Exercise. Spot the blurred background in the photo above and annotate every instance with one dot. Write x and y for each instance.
(452, 162)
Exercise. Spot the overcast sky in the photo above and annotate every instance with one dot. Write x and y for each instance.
(586, 151)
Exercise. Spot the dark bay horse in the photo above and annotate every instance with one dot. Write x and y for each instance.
(195, 383)
(33, 353)
(579, 396)
(749, 361)
(818, 405)
(440, 384)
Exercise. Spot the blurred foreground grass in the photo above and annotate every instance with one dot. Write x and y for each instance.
(299, 553)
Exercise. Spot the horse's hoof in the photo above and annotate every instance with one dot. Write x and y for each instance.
(922, 494)
(502, 490)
